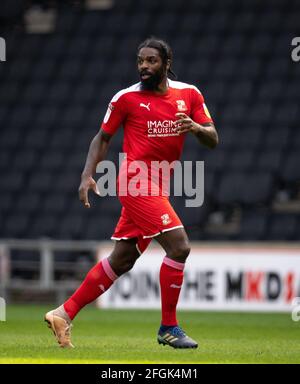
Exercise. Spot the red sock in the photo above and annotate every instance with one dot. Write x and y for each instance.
(171, 278)
(97, 281)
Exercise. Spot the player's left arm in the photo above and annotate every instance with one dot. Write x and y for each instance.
(199, 121)
(206, 132)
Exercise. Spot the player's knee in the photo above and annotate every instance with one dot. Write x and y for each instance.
(122, 263)
(127, 265)
(180, 252)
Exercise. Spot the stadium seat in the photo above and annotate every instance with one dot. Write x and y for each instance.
(28, 203)
(258, 188)
(71, 69)
(287, 114)
(198, 70)
(283, 227)
(260, 113)
(66, 21)
(95, 70)
(277, 138)
(271, 90)
(54, 203)
(6, 203)
(62, 139)
(215, 91)
(269, 160)
(36, 139)
(75, 161)
(17, 72)
(15, 226)
(65, 183)
(225, 68)
(35, 92)
(44, 69)
(295, 139)
(45, 117)
(290, 171)
(277, 69)
(240, 187)
(84, 94)
(5, 159)
(12, 181)
(241, 160)
(227, 136)
(59, 93)
(77, 47)
(251, 138)
(240, 91)
(191, 22)
(253, 226)
(54, 47)
(216, 160)
(91, 24)
(10, 93)
(95, 228)
(261, 46)
(51, 161)
(71, 227)
(245, 20)
(290, 90)
(234, 113)
(233, 45)
(44, 226)
(229, 191)
(40, 182)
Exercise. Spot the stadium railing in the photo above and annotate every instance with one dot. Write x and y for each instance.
(45, 267)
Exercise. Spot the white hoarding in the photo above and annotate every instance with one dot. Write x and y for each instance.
(237, 278)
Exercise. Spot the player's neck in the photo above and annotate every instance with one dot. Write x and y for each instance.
(163, 87)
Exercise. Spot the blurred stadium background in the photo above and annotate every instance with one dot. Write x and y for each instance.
(64, 62)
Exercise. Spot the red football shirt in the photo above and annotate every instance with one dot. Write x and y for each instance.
(149, 120)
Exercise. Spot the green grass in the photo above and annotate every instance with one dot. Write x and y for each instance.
(129, 336)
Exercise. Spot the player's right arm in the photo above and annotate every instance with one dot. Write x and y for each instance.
(114, 117)
(97, 152)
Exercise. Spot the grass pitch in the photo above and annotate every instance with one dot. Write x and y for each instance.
(129, 336)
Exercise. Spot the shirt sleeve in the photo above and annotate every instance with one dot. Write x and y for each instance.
(115, 115)
(199, 111)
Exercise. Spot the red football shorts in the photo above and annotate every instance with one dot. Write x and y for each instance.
(145, 217)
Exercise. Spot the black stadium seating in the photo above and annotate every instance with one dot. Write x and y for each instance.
(55, 87)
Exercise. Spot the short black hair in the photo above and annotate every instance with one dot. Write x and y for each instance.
(163, 48)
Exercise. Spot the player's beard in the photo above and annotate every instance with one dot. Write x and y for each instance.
(153, 81)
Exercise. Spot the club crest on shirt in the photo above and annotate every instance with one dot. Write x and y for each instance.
(181, 106)
(166, 219)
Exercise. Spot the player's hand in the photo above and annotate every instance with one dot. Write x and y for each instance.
(185, 124)
(87, 183)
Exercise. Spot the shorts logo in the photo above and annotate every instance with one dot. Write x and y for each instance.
(166, 219)
(181, 106)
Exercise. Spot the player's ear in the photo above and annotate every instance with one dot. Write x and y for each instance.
(168, 65)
